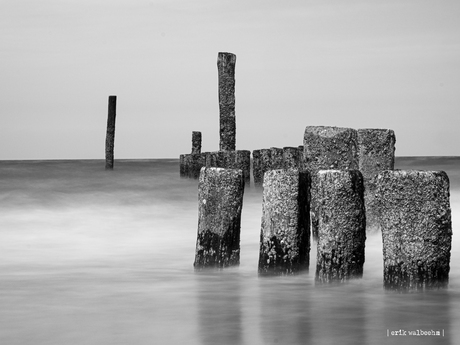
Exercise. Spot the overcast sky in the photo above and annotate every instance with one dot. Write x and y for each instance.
(359, 64)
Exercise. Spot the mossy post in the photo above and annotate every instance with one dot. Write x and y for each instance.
(110, 137)
(341, 225)
(220, 200)
(415, 220)
(376, 152)
(226, 73)
(328, 148)
(196, 142)
(285, 230)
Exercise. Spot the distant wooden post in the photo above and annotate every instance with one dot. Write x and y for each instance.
(226, 72)
(291, 157)
(256, 168)
(196, 142)
(110, 138)
(276, 155)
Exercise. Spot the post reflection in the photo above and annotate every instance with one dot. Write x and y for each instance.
(219, 307)
(285, 315)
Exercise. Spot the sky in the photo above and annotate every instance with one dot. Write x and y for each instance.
(358, 64)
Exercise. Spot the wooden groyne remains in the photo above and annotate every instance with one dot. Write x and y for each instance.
(227, 156)
(110, 137)
(338, 185)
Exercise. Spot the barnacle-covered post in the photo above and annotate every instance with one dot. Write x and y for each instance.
(376, 152)
(341, 225)
(285, 230)
(328, 148)
(415, 220)
(276, 156)
(291, 158)
(220, 200)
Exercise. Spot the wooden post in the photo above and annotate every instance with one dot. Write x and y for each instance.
(415, 220)
(285, 231)
(226, 72)
(328, 148)
(196, 142)
(265, 162)
(376, 152)
(341, 225)
(257, 168)
(291, 158)
(276, 155)
(220, 200)
(110, 137)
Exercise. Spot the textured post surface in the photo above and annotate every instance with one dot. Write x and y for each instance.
(328, 148)
(243, 162)
(257, 167)
(285, 231)
(291, 158)
(301, 158)
(226, 71)
(415, 220)
(341, 225)
(196, 142)
(265, 162)
(376, 152)
(220, 200)
(110, 137)
(182, 166)
(276, 156)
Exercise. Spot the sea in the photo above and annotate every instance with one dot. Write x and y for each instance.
(89, 256)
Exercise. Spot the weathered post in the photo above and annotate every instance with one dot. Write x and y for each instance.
(265, 162)
(415, 220)
(376, 152)
(301, 158)
(341, 225)
(328, 148)
(226, 72)
(196, 142)
(257, 168)
(182, 166)
(110, 137)
(291, 158)
(220, 200)
(243, 162)
(285, 231)
(276, 155)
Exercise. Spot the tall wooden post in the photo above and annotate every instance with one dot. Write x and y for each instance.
(110, 137)
(226, 71)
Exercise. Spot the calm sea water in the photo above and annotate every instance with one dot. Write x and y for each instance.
(89, 256)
